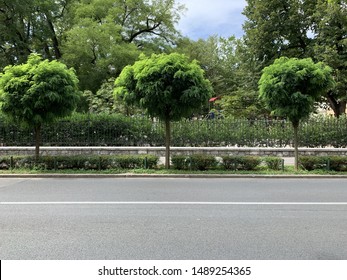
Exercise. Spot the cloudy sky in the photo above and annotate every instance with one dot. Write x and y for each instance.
(212, 17)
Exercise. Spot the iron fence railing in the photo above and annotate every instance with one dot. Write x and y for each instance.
(127, 131)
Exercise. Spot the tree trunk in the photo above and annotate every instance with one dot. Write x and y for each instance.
(296, 145)
(167, 143)
(339, 107)
(37, 142)
(57, 52)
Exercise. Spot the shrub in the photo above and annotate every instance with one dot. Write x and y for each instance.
(230, 162)
(250, 163)
(81, 162)
(335, 163)
(338, 163)
(241, 162)
(194, 162)
(5, 163)
(313, 162)
(179, 162)
(273, 163)
(134, 162)
(202, 162)
(152, 161)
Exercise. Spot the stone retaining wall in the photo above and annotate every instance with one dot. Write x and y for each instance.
(160, 151)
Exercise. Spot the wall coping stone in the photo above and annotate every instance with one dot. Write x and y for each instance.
(283, 152)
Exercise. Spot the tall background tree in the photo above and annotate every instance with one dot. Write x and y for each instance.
(168, 87)
(96, 37)
(276, 28)
(216, 57)
(38, 92)
(230, 68)
(290, 88)
(331, 47)
(107, 35)
(301, 29)
(28, 26)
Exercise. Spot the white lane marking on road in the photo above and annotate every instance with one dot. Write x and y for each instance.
(163, 203)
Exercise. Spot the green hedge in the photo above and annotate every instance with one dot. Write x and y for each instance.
(273, 163)
(81, 162)
(334, 163)
(208, 162)
(247, 163)
(85, 130)
(180, 162)
(194, 162)
(118, 130)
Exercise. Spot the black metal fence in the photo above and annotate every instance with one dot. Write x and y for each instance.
(116, 130)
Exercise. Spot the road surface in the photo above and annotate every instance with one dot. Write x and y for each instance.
(163, 218)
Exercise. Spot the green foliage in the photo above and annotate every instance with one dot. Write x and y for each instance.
(313, 162)
(290, 87)
(97, 52)
(247, 163)
(28, 26)
(242, 104)
(334, 163)
(338, 163)
(81, 162)
(119, 130)
(38, 92)
(273, 163)
(96, 37)
(103, 101)
(135, 162)
(169, 87)
(229, 67)
(300, 29)
(137, 21)
(106, 35)
(180, 162)
(200, 162)
(277, 28)
(331, 48)
(216, 55)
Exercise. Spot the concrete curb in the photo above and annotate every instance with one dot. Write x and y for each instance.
(173, 176)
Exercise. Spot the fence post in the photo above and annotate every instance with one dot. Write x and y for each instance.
(11, 163)
(282, 164)
(328, 164)
(145, 161)
(55, 163)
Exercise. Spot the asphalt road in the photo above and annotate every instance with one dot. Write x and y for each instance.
(163, 218)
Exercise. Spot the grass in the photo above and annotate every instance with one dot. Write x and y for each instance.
(288, 170)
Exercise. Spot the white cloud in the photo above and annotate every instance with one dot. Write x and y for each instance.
(205, 17)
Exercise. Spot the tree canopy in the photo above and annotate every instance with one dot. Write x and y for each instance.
(168, 87)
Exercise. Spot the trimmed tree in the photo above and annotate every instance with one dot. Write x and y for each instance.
(290, 88)
(38, 92)
(169, 87)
